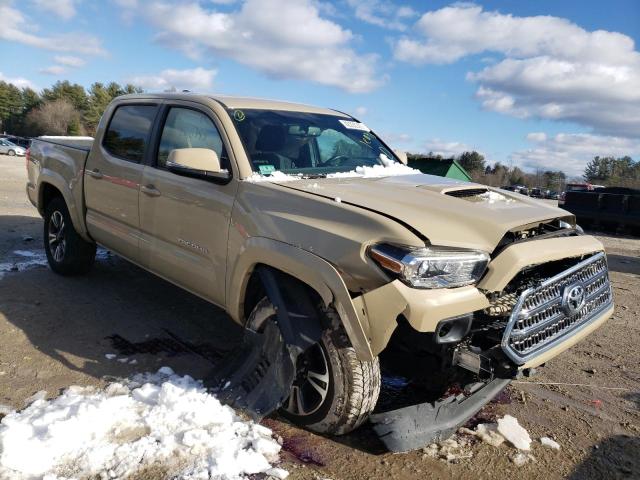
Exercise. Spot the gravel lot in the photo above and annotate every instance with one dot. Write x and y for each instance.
(55, 332)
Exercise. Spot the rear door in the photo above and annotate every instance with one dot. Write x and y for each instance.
(113, 175)
(185, 221)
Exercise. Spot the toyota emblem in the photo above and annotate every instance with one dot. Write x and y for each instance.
(573, 298)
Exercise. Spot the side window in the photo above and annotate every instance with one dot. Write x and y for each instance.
(128, 132)
(186, 128)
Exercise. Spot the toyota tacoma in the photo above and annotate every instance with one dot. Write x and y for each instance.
(338, 260)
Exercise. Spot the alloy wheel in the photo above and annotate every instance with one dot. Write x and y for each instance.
(57, 241)
(311, 385)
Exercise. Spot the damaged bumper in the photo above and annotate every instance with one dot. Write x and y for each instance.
(415, 426)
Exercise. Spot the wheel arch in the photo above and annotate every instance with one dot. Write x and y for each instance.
(50, 185)
(311, 270)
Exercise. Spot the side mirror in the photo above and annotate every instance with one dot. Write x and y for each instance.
(200, 163)
(402, 156)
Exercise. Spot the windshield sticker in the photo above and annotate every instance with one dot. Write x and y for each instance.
(266, 169)
(238, 115)
(366, 139)
(354, 125)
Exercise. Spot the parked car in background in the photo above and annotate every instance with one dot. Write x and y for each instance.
(537, 193)
(578, 187)
(20, 141)
(11, 149)
(551, 195)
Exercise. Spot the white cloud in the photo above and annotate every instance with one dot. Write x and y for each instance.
(190, 79)
(552, 68)
(360, 111)
(570, 152)
(280, 38)
(53, 70)
(382, 13)
(447, 149)
(69, 61)
(19, 82)
(65, 9)
(17, 28)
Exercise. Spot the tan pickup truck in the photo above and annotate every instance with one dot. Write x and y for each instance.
(301, 221)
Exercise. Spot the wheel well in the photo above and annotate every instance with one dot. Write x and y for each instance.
(49, 192)
(255, 289)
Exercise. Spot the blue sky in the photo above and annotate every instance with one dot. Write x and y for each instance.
(539, 84)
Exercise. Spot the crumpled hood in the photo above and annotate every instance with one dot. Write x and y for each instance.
(421, 201)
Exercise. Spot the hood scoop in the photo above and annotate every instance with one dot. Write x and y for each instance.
(467, 192)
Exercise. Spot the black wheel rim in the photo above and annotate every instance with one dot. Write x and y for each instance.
(311, 385)
(56, 237)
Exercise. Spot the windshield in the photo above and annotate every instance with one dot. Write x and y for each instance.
(307, 143)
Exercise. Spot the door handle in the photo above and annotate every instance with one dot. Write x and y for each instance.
(150, 190)
(95, 173)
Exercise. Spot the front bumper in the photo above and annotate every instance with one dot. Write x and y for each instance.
(425, 309)
(415, 426)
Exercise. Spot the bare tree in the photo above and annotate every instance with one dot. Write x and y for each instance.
(57, 117)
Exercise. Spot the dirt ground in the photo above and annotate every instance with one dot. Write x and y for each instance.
(55, 333)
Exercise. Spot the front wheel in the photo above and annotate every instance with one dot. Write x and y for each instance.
(67, 252)
(11, 153)
(333, 392)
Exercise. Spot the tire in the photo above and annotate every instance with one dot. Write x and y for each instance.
(67, 252)
(11, 153)
(352, 389)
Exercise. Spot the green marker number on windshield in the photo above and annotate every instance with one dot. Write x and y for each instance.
(238, 115)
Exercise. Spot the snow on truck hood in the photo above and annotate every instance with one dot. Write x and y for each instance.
(447, 212)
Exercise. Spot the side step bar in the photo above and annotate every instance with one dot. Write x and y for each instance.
(415, 426)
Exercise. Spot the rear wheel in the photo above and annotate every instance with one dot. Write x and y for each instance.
(333, 392)
(67, 252)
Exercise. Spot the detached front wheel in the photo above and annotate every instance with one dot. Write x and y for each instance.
(67, 252)
(333, 392)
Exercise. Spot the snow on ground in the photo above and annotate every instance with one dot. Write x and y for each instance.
(25, 259)
(155, 421)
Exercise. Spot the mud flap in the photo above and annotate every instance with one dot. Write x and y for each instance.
(415, 426)
(256, 378)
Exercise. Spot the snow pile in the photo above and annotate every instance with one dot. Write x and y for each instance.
(27, 259)
(549, 442)
(389, 168)
(495, 197)
(275, 176)
(514, 433)
(153, 421)
(451, 450)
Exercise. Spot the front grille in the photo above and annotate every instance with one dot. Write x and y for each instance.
(542, 316)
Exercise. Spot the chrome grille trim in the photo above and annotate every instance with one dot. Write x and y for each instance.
(538, 321)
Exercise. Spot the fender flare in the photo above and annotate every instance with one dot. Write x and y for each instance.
(306, 267)
(72, 195)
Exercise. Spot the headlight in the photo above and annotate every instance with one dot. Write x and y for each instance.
(431, 267)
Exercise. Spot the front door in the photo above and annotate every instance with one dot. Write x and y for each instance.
(185, 221)
(112, 179)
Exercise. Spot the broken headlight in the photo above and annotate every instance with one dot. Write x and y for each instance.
(431, 267)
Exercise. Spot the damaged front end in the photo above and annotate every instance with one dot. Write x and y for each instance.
(541, 311)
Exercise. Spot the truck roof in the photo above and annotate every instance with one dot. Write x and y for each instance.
(234, 102)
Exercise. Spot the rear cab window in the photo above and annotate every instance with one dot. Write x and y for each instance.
(127, 136)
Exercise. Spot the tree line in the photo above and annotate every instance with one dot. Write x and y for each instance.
(62, 109)
(499, 174)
